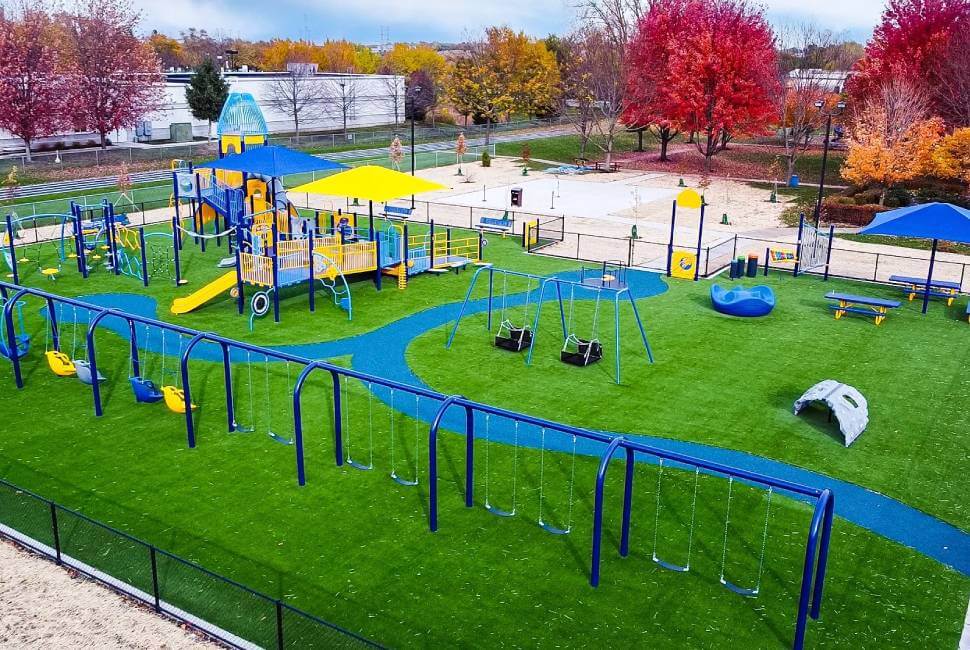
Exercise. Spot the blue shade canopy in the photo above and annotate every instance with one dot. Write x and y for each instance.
(273, 162)
(926, 221)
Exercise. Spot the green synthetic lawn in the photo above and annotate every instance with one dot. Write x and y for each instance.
(353, 546)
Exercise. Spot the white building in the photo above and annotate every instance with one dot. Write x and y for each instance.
(828, 80)
(367, 100)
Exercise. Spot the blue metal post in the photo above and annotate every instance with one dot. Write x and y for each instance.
(929, 276)
(700, 242)
(823, 554)
(187, 389)
(338, 438)
(469, 456)
(13, 255)
(594, 572)
(798, 247)
(616, 333)
(627, 502)
(828, 253)
(109, 216)
(176, 247)
(310, 270)
(276, 271)
(431, 244)
(240, 289)
(670, 242)
(491, 288)
(12, 335)
(227, 376)
(144, 256)
(133, 349)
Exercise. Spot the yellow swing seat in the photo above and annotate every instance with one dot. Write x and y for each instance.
(50, 273)
(175, 399)
(60, 364)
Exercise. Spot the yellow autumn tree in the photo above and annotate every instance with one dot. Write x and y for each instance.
(951, 159)
(336, 56)
(403, 59)
(366, 60)
(505, 73)
(892, 140)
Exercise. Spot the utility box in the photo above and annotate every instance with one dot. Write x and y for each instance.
(180, 132)
(516, 197)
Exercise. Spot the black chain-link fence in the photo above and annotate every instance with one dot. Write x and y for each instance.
(218, 606)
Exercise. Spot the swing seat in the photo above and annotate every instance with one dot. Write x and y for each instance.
(50, 273)
(60, 364)
(549, 528)
(83, 369)
(280, 439)
(146, 392)
(518, 339)
(20, 350)
(175, 399)
(741, 591)
(499, 512)
(587, 352)
(353, 463)
(670, 566)
(403, 481)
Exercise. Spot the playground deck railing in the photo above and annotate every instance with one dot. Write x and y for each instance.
(170, 585)
(435, 409)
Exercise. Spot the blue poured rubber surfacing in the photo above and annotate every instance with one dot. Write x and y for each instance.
(382, 352)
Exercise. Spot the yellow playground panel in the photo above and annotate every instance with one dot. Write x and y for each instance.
(451, 251)
(531, 235)
(231, 143)
(782, 256)
(683, 265)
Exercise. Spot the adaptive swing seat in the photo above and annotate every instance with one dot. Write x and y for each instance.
(175, 399)
(145, 390)
(514, 339)
(747, 303)
(60, 364)
(83, 369)
(585, 353)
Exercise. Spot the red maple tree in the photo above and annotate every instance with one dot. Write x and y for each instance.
(707, 66)
(915, 42)
(32, 83)
(117, 78)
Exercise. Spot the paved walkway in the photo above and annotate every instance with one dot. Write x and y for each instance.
(382, 352)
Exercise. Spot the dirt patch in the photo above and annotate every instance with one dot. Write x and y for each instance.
(43, 606)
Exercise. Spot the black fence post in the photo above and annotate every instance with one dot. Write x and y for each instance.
(279, 624)
(57, 534)
(151, 553)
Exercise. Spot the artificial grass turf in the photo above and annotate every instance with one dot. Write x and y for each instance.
(353, 546)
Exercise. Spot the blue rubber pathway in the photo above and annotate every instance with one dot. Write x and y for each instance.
(382, 353)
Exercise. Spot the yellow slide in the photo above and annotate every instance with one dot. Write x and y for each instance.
(205, 294)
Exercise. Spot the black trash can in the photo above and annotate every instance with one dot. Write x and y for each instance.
(752, 265)
(516, 197)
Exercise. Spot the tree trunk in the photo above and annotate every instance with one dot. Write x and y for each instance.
(882, 196)
(104, 140)
(791, 165)
(208, 131)
(663, 148)
(27, 155)
(296, 125)
(488, 130)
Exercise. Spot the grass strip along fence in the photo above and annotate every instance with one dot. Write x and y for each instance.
(450, 412)
(169, 584)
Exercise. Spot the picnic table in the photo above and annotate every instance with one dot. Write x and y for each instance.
(847, 303)
(917, 287)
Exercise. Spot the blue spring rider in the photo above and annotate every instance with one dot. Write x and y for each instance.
(747, 303)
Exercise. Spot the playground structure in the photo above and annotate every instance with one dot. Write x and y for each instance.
(88, 238)
(274, 245)
(580, 346)
(430, 406)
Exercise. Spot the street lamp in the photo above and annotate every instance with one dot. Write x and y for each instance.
(839, 108)
(414, 91)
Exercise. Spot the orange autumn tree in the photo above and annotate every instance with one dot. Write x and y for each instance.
(951, 159)
(892, 139)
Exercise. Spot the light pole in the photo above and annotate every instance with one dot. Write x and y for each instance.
(414, 91)
(820, 105)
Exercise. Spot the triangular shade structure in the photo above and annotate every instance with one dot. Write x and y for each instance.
(369, 183)
(934, 221)
(926, 221)
(273, 162)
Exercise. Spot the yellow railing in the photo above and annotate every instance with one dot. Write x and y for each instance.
(257, 269)
(446, 250)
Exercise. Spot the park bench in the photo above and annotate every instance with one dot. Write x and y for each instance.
(393, 211)
(496, 224)
(917, 287)
(603, 167)
(847, 303)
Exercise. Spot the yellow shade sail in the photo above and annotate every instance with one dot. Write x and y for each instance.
(369, 183)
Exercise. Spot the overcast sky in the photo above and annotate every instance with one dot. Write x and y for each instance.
(436, 20)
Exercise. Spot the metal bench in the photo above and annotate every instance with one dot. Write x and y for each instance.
(847, 303)
(495, 224)
(917, 287)
(395, 211)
